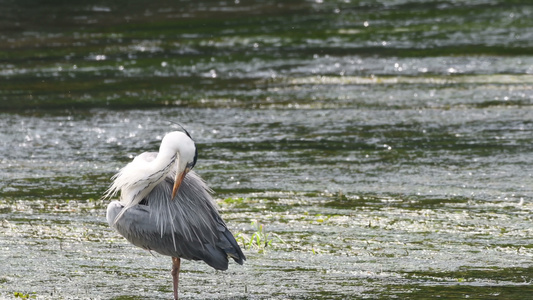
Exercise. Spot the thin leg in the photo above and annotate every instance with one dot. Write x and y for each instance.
(175, 275)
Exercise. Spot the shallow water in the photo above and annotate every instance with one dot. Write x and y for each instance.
(384, 145)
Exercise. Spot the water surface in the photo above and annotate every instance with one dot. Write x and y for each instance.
(386, 143)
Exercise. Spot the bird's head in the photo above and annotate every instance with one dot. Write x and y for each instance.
(183, 146)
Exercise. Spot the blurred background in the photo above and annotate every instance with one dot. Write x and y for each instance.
(384, 146)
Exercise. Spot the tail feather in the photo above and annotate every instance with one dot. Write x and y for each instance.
(232, 249)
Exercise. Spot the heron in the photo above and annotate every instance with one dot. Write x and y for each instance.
(167, 208)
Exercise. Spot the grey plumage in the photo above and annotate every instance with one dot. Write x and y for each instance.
(188, 226)
(167, 208)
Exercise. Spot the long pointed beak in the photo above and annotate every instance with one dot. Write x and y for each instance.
(177, 182)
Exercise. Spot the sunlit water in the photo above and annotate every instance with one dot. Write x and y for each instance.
(385, 145)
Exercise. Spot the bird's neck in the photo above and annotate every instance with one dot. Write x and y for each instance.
(155, 172)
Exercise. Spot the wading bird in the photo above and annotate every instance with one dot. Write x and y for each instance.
(165, 207)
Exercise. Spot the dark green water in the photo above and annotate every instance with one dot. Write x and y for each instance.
(388, 144)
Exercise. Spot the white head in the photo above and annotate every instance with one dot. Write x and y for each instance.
(180, 144)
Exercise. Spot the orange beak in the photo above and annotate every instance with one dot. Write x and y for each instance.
(177, 182)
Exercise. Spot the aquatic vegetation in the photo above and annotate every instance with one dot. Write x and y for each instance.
(260, 240)
(24, 295)
(382, 149)
(236, 202)
(231, 200)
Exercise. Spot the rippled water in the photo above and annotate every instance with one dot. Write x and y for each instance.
(387, 144)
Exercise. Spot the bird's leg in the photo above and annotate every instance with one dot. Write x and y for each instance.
(175, 275)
